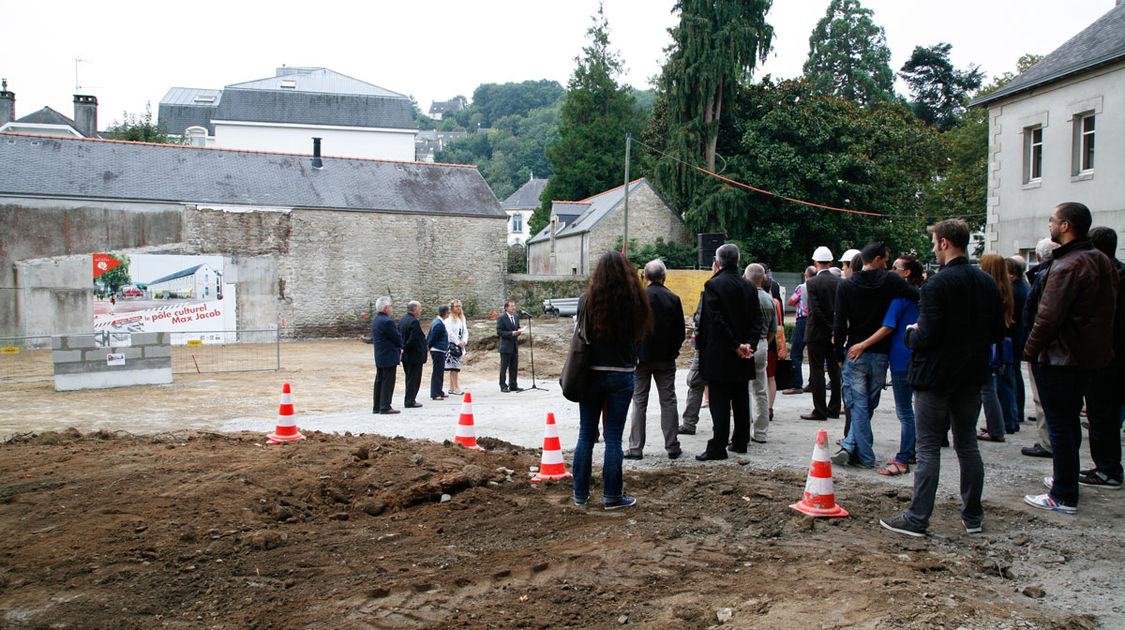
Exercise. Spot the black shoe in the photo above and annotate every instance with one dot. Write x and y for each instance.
(706, 457)
(835, 415)
(900, 525)
(1035, 451)
(1098, 479)
(389, 411)
(813, 416)
(674, 454)
(504, 389)
(632, 456)
(740, 451)
(685, 431)
(757, 441)
(515, 389)
(413, 405)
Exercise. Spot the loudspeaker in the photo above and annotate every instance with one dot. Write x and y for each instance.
(708, 243)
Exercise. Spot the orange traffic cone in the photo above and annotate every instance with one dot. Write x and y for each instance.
(286, 427)
(820, 494)
(552, 466)
(466, 436)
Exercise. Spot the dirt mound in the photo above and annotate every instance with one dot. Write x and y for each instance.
(219, 531)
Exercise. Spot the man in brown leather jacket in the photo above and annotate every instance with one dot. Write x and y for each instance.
(1068, 341)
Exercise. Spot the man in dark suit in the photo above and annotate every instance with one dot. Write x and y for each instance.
(729, 327)
(821, 290)
(656, 362)
(959, 319)
(413, 353)
(388, 352)
(508, 328)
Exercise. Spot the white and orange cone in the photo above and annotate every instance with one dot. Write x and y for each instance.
(820, 493)
(552, 465)
(286, 426)
(466, 435)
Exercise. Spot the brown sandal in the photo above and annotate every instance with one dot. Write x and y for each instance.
(894, 468)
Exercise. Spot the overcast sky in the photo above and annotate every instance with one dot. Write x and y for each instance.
(132, 52)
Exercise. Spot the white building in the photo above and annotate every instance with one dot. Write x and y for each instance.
(1042, 131)
(283, 113)
(200, 282)
(520, 206)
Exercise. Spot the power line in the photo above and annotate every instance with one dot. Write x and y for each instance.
(786, 198)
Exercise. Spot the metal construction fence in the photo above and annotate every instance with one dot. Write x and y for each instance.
(28, 359)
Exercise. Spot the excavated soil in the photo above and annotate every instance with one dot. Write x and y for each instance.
(163, 528)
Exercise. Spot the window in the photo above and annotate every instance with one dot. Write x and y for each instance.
(517, 223)
(1083, 144)
(289, 84)
(1032, 154)
(204, 98)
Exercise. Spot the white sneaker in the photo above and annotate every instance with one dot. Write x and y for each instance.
(1045, 502)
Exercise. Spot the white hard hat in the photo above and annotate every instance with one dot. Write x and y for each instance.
(849, 255)
(822, 254)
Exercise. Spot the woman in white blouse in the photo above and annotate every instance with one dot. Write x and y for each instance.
(458, 337)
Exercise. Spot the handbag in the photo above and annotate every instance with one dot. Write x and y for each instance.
(1001, 354)
(575, 376)
(455, 350)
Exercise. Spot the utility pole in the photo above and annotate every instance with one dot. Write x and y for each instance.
(625, 237)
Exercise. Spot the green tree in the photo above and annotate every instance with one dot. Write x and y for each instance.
(793, 142)
(497, 100)
(940, 91)
(140, 128)
(588, 156)
(117, 277)
(716, 46)
(848, 55)
(675, 255)
(960, 186)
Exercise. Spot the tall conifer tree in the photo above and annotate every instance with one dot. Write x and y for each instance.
(848, 55)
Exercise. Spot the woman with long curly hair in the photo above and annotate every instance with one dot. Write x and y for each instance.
(615, 314)
(994, 431)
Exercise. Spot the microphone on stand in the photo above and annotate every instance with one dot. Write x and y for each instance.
(525, 314)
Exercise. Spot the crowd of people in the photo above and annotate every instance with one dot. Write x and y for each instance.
(952, 342)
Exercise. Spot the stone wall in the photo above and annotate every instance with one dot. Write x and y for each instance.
(332, 265)
(649, 218)
(80, 364)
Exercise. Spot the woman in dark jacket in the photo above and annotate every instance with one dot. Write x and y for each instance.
(615, 315)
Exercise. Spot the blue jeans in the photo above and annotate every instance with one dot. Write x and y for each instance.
(904, 406)
(798, 349)
(863, 382)
(612, 392)
(1008, 393)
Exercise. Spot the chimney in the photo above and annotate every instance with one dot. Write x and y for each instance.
(7, 103)
(316, 161)
(86, 115)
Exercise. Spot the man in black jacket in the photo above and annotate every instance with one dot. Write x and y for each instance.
(861, 304)
(729, 326)
(959, 319)
(656, 362)
(821, 289)
(1104, 400)
(413, 353)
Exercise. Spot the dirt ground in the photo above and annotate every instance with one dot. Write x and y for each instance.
(148, 523)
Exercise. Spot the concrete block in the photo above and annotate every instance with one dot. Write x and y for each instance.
(97, 355)
(58, 343)
(66, 356)
(80, 341)
(157, 351)
(144, 339)
(103, 380)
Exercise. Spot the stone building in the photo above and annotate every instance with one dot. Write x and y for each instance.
(1042, 131)
(581, 231)
(307, 240)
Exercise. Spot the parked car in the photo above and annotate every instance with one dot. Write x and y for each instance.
(561, 307)
(132, 292)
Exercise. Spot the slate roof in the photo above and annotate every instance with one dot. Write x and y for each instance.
(527, 196)
(179, 274)
(586, 214)
(1098, 44)
(319, 97)
(48, 116)
(108, 170)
